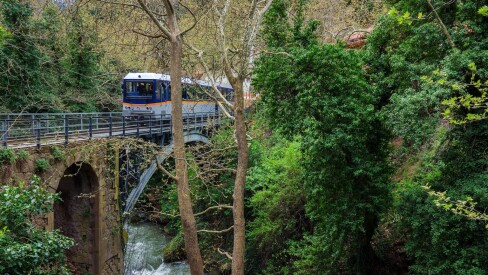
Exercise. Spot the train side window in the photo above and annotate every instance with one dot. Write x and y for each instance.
(168, 92)
(184, 92)
(159, 91)
(128, 87)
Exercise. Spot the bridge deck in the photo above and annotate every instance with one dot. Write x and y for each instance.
(36, 130)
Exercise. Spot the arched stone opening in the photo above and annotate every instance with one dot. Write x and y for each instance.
(77, 216)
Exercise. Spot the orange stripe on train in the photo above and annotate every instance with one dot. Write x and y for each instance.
(188, 102)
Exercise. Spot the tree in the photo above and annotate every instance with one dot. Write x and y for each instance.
(236, 46)
(320, 93)
(171, 31)
(20, 58)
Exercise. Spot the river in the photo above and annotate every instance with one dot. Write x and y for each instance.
(144, 252)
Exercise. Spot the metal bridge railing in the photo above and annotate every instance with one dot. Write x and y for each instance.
(35, 130)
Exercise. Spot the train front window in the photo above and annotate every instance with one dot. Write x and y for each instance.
(139, 89)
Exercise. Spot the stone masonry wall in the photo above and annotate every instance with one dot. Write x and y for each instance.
(100, 246)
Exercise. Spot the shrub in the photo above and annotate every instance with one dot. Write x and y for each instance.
(42, 165)
(22, 155)
(57, 153)
(24, 248)
(7, 155)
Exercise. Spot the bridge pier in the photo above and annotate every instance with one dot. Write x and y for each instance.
(78, 216)
(89, 212)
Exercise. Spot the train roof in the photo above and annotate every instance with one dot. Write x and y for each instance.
(166, 77)
(151, 76)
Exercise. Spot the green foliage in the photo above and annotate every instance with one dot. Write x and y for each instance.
(399, 56)
(4, 36)
(22, 81)
(7, 155)
(320, 92)
(24, 248)
(483, 11)
(52, 63)
(57, 153)
(471, 104)
(22, 154)
(41, 165)
(465, 207)
(421, 80)
(277, 206)
(440, 223)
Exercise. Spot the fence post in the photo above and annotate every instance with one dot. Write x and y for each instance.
(38, 134)
(33, 123)
(150, 126)
(66, 130)
(161, 124)
(123, 125)
(81, 122)
(207, 122)
(137, 133)
(110, 125)
(90, 127)
(47, 124)
(4, 132)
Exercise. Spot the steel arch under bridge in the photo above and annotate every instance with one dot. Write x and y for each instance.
(191, 136)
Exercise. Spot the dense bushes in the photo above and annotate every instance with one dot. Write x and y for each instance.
(341, 117)
(276, 206)
(24, 248)
(414, 69)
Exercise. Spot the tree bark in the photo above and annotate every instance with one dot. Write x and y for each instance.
(171, 31)
(240, 180)
(184, 200)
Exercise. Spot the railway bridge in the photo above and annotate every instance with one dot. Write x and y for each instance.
(73, 155)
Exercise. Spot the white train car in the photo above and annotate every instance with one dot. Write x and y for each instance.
(150, 94)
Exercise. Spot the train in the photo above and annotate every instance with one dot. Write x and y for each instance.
(150, 94)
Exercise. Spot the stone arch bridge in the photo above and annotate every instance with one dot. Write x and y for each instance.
(87, 175)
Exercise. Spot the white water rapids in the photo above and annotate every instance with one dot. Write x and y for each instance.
(144, 252)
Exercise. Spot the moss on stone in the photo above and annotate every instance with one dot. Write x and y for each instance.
(175, 250)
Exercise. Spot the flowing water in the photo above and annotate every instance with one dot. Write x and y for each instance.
(144, 252)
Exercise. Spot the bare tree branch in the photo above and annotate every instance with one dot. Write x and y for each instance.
(219, 207)
(160, 26)
(216, 231)
(147, 35)
(225, 253)
(165, 171)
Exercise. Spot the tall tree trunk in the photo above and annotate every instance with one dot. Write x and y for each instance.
(171, 32)
(240, 182)
(184, 200)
